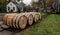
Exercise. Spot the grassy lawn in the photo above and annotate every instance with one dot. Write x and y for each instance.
(49, 26)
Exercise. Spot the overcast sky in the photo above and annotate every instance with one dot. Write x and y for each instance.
(28, 2)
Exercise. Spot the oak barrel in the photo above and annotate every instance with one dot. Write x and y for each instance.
(8, 18)
(29, 18)
(35, 15)
(21, 21)
(15, 20)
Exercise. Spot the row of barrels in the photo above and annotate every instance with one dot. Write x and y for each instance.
(21, 20)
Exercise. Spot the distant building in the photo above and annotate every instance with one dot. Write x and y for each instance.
(15, 7)
(11, 7)
(21, 6)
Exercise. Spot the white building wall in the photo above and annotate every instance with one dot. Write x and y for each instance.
(11, 5)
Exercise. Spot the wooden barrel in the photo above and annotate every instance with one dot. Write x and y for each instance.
(40, 17)
(4, 19)
(29, 18)
(35, 15)
(21, 21)
(16, 20)
(8, 19)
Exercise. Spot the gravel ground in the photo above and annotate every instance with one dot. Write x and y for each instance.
(5, 33)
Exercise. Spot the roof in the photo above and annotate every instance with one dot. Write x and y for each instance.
(10, 3)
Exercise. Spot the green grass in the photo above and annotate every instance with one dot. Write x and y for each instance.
(49, 26)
